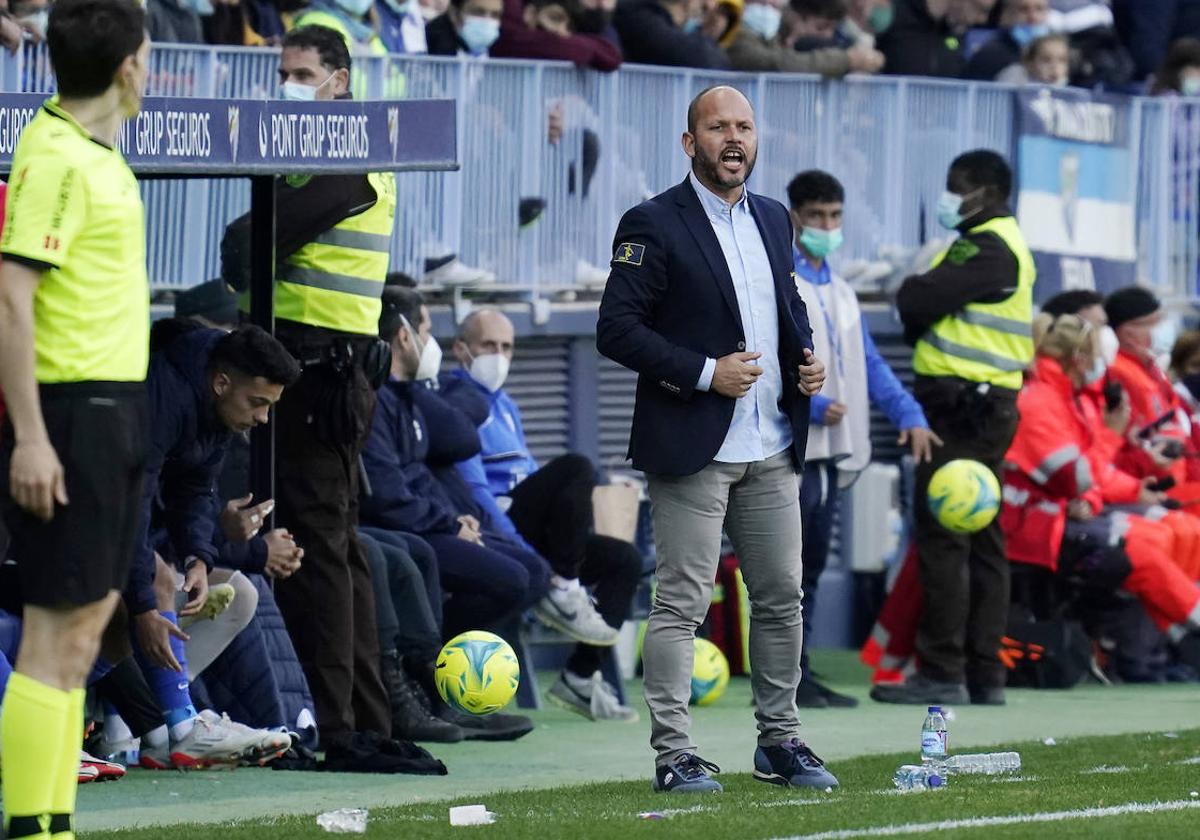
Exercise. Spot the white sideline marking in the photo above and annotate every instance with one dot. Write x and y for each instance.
(1016, 819)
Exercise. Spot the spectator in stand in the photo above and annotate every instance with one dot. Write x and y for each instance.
(347, 18)
(173, 22)
(814, 23)
(761, 46)
(401, 26)
(1179, 73)
(667, 32)
(1149, 27)
(1047, 61)
(596, 18)
(722, 21)
(865, 21)
(1022, 22)
(468, 27)
(248, 23)
(547, 507)
(923, 39)
(544, 29)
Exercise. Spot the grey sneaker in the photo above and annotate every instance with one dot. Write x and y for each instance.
(571, 611)
(689, 773)
(919, 690)
(591, 697)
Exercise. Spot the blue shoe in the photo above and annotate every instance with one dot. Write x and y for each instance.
(687, 774)
(792, 763)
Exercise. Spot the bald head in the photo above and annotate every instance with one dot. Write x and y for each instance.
(482, 333)
(726, 94)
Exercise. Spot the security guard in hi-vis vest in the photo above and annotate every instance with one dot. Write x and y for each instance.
(969, 319)
(332, 243)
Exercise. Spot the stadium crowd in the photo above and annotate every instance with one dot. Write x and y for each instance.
(411, 508)
(1122, 45)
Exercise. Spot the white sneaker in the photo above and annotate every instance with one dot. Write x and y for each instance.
(214, 739)
(587, 274)
(457, 273)
(591, 697)
(269, 744)
(570, 610)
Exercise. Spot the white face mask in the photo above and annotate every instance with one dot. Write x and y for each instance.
(1109, 345)
(1096, 372)
(431, 360)
(300, 92)
(490, 370)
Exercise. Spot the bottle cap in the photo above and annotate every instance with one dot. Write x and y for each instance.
(933, 709)
(934, 780)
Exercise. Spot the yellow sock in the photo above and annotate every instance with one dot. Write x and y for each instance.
(32, 730)
(62, 802)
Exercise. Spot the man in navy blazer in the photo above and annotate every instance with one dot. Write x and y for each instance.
(702, 303)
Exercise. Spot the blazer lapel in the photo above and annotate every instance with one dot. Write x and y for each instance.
(701, 230)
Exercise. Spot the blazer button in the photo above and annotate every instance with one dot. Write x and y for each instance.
(741, 345)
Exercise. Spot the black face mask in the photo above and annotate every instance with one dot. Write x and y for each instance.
(593, 21)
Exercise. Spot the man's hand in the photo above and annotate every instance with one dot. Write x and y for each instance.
(1117, 419)
(1158, 453)
(864, 60)
(469, 529)
(923, 440)
(835, 412)
(11, 34)
(812, 374)
(153, 633)
(734, 374)
(283, 555)
(554, 124)
(36, 480)
(195, 584)
(1079, 510)
(1146, 496)
(241, 522)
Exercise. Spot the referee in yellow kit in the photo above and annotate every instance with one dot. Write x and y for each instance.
(74, 329)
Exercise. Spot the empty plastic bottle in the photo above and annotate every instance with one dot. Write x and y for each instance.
(935, 739)
(981, 764)
(344, 821)
(912, 777)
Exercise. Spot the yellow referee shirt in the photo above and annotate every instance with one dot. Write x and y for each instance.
(74, 211)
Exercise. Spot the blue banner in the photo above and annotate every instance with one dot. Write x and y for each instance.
(1078, 189)
(218, 137)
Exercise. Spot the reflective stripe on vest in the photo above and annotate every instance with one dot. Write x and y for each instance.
(336, 281)
(986, 342)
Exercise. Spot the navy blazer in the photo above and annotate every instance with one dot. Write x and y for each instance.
(670, 304)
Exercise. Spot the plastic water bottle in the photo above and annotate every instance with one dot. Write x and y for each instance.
(912, 777)
(344, 821)
(934, 737)
(981, 764)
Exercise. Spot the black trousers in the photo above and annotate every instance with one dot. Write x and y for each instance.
(819, 500)
(553, 511)
(329, 604)
(612, 569)
(965, 577)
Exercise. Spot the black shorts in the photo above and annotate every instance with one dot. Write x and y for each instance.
(100, 432)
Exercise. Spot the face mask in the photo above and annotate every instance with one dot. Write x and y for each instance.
(490, 370)
(949, 210)
(1190, 86)
(1026, 33)
(358, 8)
(821, 243)
(1109, 345)
(479, 33)
(1096, 372)
(1162, 337)
(430, 362)
(762, 19)
(410, 7)
(300, 92)
(691, 25)
(880, 19)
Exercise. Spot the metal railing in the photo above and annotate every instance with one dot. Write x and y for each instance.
(887, 139)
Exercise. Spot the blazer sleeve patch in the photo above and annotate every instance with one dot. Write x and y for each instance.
(629, 253)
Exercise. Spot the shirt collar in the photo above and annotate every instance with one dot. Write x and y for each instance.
(817, 276)
(713, 204)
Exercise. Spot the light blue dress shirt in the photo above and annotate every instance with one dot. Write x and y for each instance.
(759, 429)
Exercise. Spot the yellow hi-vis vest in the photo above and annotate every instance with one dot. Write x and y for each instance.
(986, 342)
(336, 281)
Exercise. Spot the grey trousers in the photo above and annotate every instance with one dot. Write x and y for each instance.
(759, 507)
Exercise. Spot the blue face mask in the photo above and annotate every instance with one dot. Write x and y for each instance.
(691, 25)
(479, 33)
(357, 8)
(1026, 33)
(763, 20)
(821, 243)
(949, 210)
